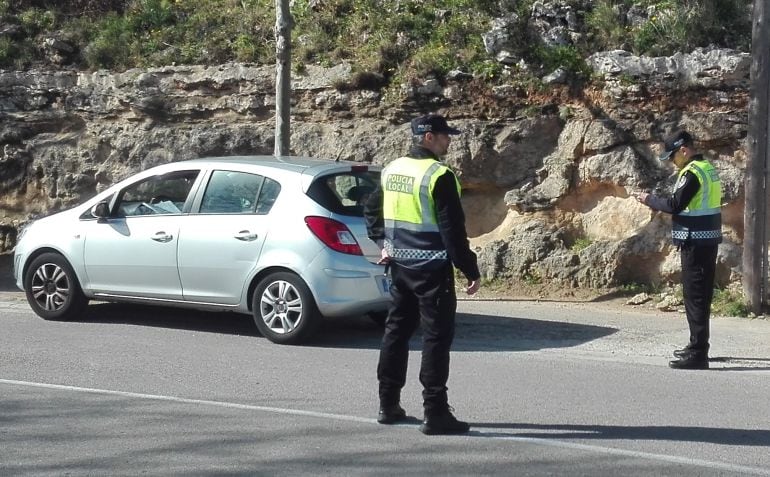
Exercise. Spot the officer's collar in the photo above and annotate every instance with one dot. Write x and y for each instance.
(419, 152)
(693, 158)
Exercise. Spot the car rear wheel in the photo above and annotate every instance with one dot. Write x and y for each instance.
(52, 288)
(284, 309)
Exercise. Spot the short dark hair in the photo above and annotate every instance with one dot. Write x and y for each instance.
(418, 139)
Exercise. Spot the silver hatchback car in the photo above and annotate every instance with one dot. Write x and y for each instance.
(283, 239)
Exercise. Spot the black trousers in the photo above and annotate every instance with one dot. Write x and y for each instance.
(698, 269)
(427, 298)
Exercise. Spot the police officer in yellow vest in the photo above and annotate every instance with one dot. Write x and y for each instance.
(696, 231)
(417, 219)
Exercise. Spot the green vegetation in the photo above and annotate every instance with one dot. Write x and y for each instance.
(531, 277)
(140, 33)
(161, 32)
(395, 38)
(634, 288)
(726, 302)
(7, 52)
(568, 57)
(580, 244)
(730, 303)
(674, 25)
(386, 40)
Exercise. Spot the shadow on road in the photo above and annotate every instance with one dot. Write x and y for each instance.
(741, 364)
(6, 273)
(173, 318)
(474, 332)
(613, 295)
(714, 435)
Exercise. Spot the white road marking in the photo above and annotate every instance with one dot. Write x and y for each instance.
(498, 434)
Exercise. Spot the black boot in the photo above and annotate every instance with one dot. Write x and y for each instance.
(691, 360)
(391, 414)
(443, 423)
(680, 353)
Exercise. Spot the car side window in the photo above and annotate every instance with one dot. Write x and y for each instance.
(164, 195)
(267, 196)
(231, 192)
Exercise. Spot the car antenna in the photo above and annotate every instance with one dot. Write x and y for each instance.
(337, 159)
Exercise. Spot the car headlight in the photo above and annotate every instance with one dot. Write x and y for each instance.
(23, 231)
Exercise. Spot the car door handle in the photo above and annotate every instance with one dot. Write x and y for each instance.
(162, 237)
(246, 236)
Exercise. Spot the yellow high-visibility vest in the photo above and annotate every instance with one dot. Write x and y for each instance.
(701, 221)
(412, 236)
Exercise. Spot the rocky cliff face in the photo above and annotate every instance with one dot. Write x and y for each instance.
(548, 174)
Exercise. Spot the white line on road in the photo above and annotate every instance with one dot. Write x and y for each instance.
(498, 434)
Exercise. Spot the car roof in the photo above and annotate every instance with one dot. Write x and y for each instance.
(308, 165)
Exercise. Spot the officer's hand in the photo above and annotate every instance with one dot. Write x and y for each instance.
(642, 197)
(384, 257)
(473, 286)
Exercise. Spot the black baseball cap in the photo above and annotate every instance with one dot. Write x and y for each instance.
(673, 142)
(432, 123)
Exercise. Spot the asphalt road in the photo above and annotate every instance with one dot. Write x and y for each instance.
(550, 389)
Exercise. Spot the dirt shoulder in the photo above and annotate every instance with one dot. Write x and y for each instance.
(545, 291)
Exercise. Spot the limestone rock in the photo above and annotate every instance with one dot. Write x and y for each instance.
(639, 299)
(548, 193)
(702, 68)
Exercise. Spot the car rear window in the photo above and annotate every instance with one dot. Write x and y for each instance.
(344, 193)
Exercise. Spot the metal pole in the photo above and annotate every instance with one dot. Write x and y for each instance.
(755, 260)
(283, 24)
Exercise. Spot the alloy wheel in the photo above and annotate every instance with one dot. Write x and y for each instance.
(51, 287)
(281, 307)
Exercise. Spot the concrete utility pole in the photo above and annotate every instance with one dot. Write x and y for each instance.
(283, 24)
(755, 213)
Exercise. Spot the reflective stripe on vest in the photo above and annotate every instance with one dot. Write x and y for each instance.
(701, 221)
(415, 254)
(411, 227)
(696, 235)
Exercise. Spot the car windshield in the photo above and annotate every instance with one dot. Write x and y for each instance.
(345, 193)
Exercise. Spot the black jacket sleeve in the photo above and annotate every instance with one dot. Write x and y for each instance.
(451, 225)
(375, 223)
(686, 188)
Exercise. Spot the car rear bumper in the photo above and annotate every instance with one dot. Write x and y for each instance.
(348, 286)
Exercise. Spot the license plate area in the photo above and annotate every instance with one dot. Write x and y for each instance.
(385, 283)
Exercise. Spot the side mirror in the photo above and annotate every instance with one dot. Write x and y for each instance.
(101, 210)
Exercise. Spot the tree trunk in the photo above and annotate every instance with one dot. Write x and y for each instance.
(755, 212)
(283, 24)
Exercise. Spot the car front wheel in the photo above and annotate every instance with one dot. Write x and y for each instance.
(52, 288)
(284, 309)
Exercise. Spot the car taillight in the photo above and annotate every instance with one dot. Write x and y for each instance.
(334, 235)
